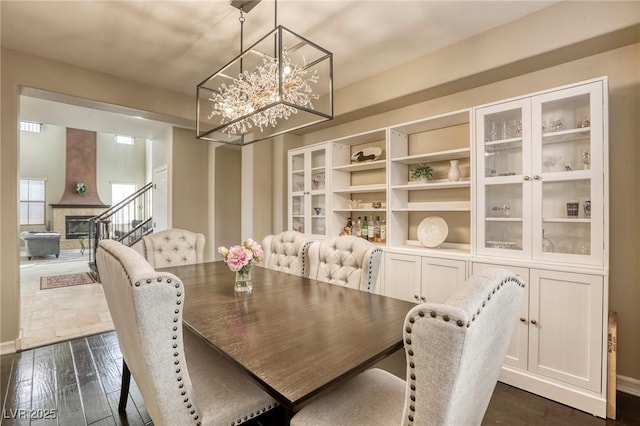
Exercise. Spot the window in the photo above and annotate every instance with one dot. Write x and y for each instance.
(30, 126)
(32, 196)
(126, 140)
(120, 191)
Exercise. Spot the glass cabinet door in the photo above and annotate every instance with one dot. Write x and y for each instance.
(503, 146)
(308, 191)
(567, 174)
(541, 194)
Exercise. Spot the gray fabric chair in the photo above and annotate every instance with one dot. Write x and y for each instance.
(38, 244)
(286, 252)
(173, 247)
(454, 354)
(182, 380)
(346, 260)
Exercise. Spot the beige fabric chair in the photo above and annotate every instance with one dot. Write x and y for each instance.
(183, 381)
(173, 247)
(346, 260)
(286, 252)
(454, 354)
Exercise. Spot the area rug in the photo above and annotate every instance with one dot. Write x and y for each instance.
(67, 280)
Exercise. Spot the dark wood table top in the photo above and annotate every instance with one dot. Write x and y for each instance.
(293, 335)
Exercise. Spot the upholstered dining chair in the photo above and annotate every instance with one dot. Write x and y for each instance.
(286, 252)
(345, 260)
(182, 380)
(173, 247)
(454, 354)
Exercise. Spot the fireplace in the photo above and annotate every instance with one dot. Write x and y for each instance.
(77, 227)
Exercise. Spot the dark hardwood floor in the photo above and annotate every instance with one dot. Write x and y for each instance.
(77, 382)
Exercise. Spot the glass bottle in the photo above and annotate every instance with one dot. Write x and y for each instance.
(383, 231)
(358, 227)
(365, 229)
(547, 245)
(349, 228)
(376, 232)
(371, 230)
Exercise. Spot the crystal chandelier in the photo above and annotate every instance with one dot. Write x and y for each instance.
(282, 83)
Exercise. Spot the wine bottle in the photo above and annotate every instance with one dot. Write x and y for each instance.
(365, 229)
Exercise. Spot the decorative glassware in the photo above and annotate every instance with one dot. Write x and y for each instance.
(572, 208)
(587, 208)
(586, 159)
(243, 281)
(547, 245)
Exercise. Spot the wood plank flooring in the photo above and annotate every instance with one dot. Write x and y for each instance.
(77, 382)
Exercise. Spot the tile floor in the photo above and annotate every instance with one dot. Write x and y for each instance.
(54, 315)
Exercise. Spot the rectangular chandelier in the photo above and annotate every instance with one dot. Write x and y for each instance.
(282, 83)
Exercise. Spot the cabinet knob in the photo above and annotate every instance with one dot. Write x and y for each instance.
(415, 296)
(527, 178)
(523, 319)
(534, 322)
(424, 299)
(536, 177)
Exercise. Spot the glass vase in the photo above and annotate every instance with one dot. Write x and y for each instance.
(243, 282)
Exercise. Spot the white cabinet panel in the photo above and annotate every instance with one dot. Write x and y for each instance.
(441, 278)
(566, 327)
(517, 354)
(402, 276)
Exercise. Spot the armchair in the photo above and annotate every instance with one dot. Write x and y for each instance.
(454, 354)
(346, 260)
(173, 247)
(182, 380)
(286, 252)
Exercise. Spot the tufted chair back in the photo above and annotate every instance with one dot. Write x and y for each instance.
(346, 260)
(286, 252)
(146, 310)
(173, 247)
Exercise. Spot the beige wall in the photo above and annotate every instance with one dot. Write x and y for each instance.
(118, 163)
(42, 156)
(228, 173)
(189, 182)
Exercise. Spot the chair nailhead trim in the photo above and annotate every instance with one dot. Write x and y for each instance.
(446, 318)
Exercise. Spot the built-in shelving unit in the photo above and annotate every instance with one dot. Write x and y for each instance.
(358, 182)
(435, 141)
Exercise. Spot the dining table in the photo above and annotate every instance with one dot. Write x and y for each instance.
(295, 336)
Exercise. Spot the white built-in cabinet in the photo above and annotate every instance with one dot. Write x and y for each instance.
(532, 197)
(422, 278)
(559, 334)
(540, 180)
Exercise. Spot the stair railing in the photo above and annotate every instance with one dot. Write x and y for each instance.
(127, 221)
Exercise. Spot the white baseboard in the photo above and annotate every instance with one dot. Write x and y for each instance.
(9, 347)
(628, 385)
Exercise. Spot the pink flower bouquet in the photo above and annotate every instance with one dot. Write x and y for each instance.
(242, 258)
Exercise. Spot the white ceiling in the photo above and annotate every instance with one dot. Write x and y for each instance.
(177, 44)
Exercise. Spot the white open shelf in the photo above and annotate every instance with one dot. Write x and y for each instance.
(362, 188)
(445, 206)
(443, 184)
(452, 154)
(357, 167)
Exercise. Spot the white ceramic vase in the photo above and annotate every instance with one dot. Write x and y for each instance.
(454, 171)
